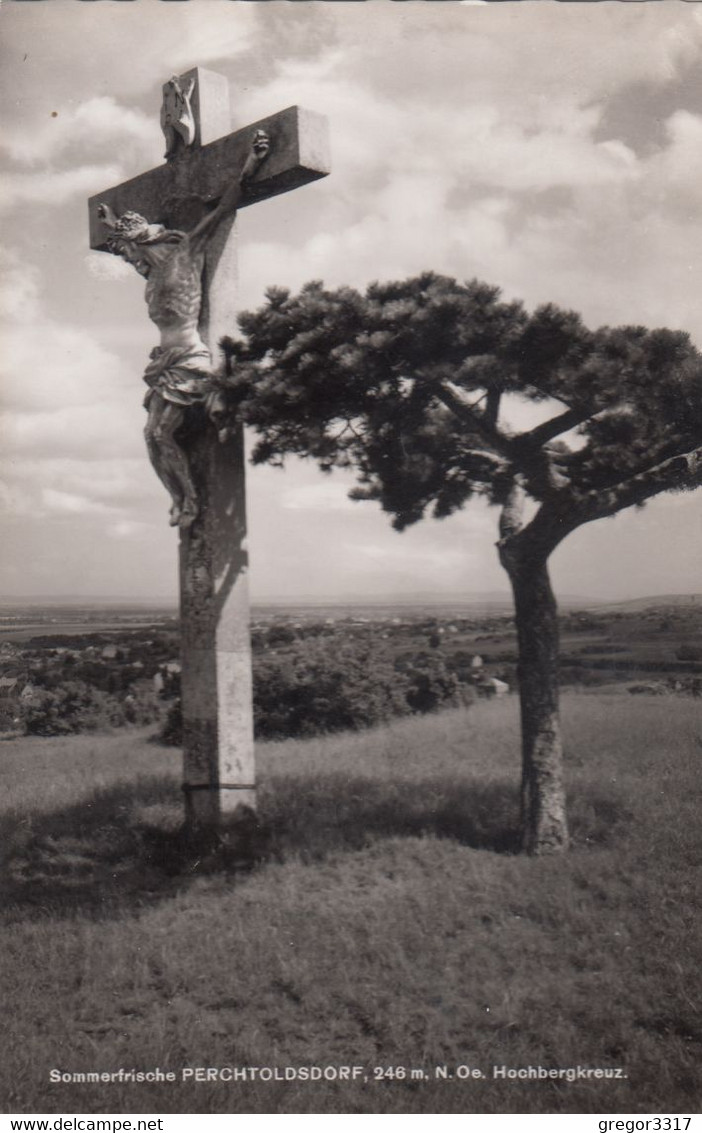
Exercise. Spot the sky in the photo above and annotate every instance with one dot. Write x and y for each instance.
(554, 150)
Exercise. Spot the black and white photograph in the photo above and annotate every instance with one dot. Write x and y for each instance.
(351, 579)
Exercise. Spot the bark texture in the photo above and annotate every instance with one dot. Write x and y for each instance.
(544, 827)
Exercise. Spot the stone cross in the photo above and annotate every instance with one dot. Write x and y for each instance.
(203, 161)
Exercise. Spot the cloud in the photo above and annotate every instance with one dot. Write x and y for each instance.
(546, 210)
(68, 502)
(118, 46)
(470, 139)
(51, 367)
(52, 187)
(541, 61)
(72, 417)
(502, 154)
(108, 427)
(19, 288)
(329, 495)
(126, 529)
(441, 558)
(674, 173)
(116, 481)
(102, 123)
(227, 33)
(107, 267)
(68, 487)
(16, 500)
(489, 161)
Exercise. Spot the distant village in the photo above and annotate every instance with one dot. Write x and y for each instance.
(76, 669)
(138, 668)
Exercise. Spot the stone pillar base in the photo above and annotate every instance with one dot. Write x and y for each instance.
(218, 750)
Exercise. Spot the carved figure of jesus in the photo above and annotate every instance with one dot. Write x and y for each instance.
(180, 373)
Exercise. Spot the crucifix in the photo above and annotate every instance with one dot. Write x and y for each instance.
(176, 226)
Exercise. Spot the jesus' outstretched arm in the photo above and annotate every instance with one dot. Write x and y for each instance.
(234, 194)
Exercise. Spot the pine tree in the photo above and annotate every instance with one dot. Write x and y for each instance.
(408, 385)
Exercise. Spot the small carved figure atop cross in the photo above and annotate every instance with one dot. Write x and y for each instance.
(177, 119)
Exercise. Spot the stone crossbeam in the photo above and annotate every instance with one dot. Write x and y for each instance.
(174, 194)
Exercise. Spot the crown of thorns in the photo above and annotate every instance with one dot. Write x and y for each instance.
(133, 226)
(129, 225)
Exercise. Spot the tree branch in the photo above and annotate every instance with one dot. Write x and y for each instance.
(534, 461)
(492, 407)
(451, 398)
(497, 462)
(681, 471)
(346, 428)
(553, 428)
(512, 514)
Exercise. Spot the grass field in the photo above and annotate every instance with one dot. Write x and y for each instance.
(387, 924)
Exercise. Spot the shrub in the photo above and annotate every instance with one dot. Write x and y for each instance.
(433, 685)
(75, 706)
(322, 689)
(72, 706)
(325, 687)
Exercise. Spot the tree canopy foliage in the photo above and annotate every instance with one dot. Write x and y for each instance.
(407, 384)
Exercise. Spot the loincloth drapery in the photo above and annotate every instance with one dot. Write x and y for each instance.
(180, 374)
(185, 377)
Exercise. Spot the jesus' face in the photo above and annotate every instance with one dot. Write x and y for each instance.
(133, 254)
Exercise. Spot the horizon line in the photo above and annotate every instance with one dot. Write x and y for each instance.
(387, 598)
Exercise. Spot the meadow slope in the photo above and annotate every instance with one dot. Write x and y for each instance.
(387, 923)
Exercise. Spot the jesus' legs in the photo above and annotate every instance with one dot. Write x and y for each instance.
(169, 459)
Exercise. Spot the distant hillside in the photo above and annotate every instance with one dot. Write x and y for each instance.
(75, 602)
(497, 601)
(656, 601)
(485, 602)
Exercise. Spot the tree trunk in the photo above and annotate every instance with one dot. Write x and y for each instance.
(543, 811)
